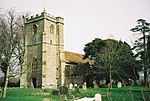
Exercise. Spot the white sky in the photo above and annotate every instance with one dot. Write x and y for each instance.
(86, 20)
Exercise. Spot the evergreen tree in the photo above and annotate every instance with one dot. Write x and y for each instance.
(112, 59)
(140, 45)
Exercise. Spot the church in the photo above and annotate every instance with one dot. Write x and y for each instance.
(46, 63)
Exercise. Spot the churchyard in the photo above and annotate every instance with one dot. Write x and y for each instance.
(45, 65)
(129, 93)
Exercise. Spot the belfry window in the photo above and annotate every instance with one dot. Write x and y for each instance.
(35, 26)
(52, 29)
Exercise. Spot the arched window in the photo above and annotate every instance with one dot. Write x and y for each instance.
(52, 29)
(35, 26)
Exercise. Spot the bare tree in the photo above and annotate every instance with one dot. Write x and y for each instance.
(11, 42)
(115, 60)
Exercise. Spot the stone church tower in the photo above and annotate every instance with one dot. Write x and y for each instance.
(44, 52)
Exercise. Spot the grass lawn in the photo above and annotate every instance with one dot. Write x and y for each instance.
(116, 94)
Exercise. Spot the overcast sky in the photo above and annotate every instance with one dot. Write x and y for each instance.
(86, 20)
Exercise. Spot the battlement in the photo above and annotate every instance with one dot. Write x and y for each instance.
(44, 50)
(60, 20)
(44, 15)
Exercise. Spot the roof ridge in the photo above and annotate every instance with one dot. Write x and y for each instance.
(75, 53)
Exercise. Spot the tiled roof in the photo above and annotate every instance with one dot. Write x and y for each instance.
(75, 57)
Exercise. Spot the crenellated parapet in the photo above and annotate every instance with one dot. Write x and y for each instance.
(60, 20)
(44, 15)
(45, 45)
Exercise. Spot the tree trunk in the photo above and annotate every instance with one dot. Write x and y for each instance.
(6, 82)
(145, 56)
(145, 76)
(110, 77)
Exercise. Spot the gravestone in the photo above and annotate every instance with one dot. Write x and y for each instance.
(76, 88)
(102, 82)
(132, 83)
(96, 87)
(84, 86)
(98, 97)
(31, 85)
(85, 99)
(75, 85)
(63, 97)
(63, 90)
(119, 85)
(55, 92)
(70, 86)
(109, 86)
(72, 97)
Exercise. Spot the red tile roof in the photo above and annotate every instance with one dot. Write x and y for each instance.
(75, 57)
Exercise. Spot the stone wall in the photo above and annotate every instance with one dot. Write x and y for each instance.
(44, 42)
